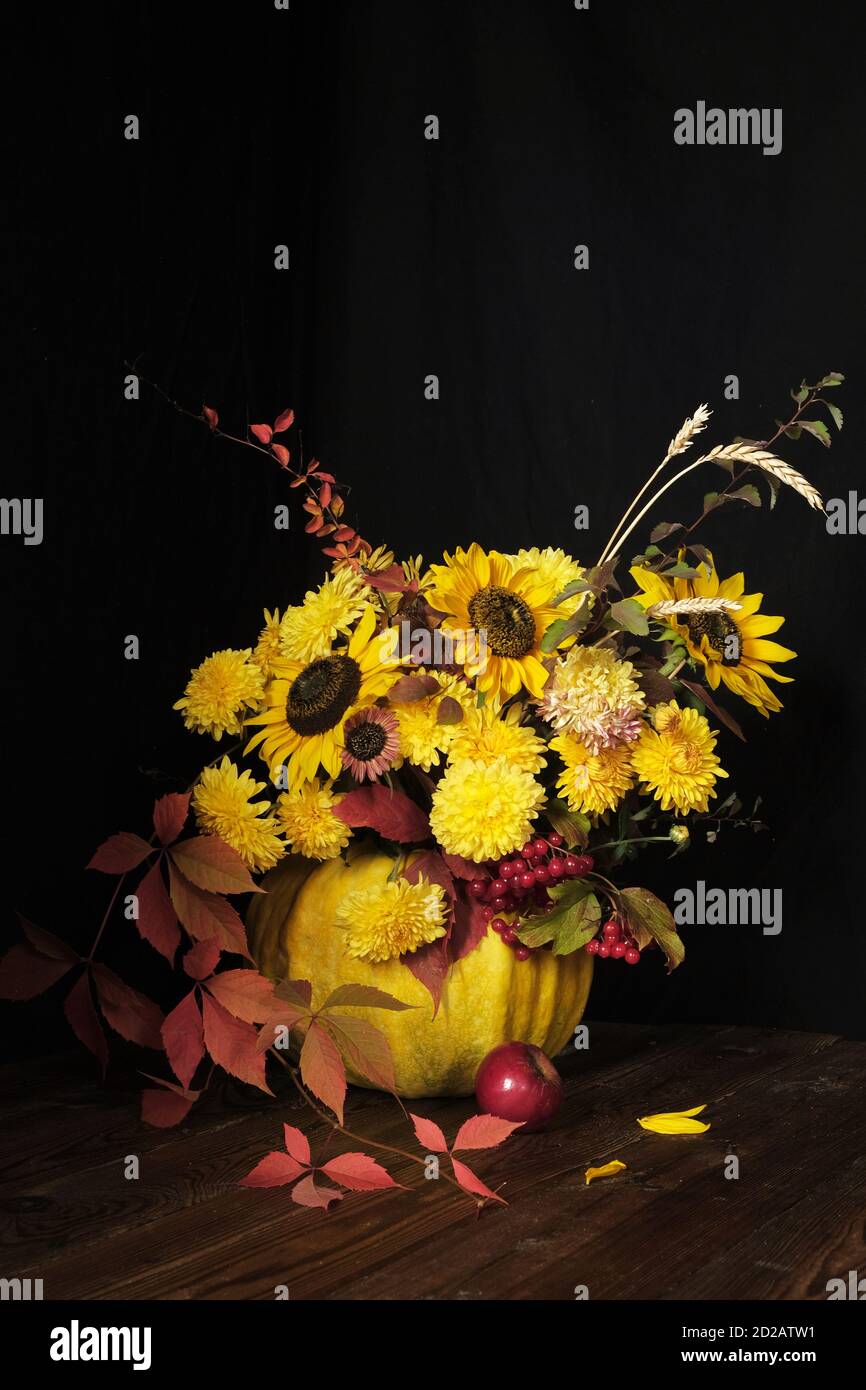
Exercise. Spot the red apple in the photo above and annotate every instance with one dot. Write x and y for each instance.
(518, 1082)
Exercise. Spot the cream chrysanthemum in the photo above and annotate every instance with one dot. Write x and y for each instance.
(593, 695)
(422, 738)
(675, 761)
(308, 631)
(220, 692)
(484, 810)
(224, 806)
(484, 735)
(392, 919)
(592, 782)
(307, 819)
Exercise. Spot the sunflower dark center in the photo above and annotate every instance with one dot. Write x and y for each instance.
(720, 631)
(366, 741)
(319, 697)
(506, 619)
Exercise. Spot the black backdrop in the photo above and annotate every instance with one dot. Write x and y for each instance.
(411, 257)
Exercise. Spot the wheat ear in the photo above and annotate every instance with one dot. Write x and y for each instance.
(759, 458)
(692, 605)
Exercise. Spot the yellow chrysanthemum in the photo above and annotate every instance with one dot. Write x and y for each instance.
(484, 735)
(267, 650)
(392, 919)
(675, 761)
(220, 692)
(309, 631)
(729, 644)
(422, 738)
(484, 810)
(594, 695)
(485, 594)
(224, 806)
(307, 819)
(308, 704)
(593, 782)
(557, 567)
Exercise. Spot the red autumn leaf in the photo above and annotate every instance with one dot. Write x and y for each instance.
(169, 816)
(359, 1173)
(324, 477)
(483, 1132)
(274, 1170)
(211, 864)
(129, 1013)
(314, 526)
(284, 421)
(470, 1183)
(449, 711)
(410, 688)
(245, 993)
(120, 853)
(299, 482)
(206, 915)
(313, 466)
(363, 1047)
(363, 996)
(322, 1069)
(232, 1045)
(25, 973)
(46, 943)
(275, 1029)
(392, 579)
(346, 534)
(464, 868)
(157, 919)
(307, 1193)
(163, 1109)
(296, 992)
(281, 454)
(469, 929)
(83, 1019)
(325, 494)
(183, 1038)
(429, 1135)
(391, 813)
(297, 1144)
(263, 433)
(202, 959)
(210, 415)
(430, 965)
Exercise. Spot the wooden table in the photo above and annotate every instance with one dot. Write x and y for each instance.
(789, 1105)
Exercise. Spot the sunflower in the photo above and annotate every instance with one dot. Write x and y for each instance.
(308, 631)
(484, 810)
(513, 607)
(423, 737)
(224, 806)
(307, 705)
(729, 643)
(674, 759)
(593, 782)
(220, 692)
(392, 919)
(484, 735)
(307, 819)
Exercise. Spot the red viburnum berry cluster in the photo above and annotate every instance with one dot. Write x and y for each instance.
(520, 881)
(616, 942)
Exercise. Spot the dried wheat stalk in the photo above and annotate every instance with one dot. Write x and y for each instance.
(692, 605)
(687, 431)
(759, 458)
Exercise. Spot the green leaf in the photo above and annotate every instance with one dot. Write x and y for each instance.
(573, 826)
(794, 431)
(665, 529)
(747, 493)
(836, 413)
(800, 396)
(577, 586)
(711, 499)
(831, 379)
(570, 924)
(774, 487)
(818, 429)
(680, 570)
(629, 615)
(650, 919)
(562, 628)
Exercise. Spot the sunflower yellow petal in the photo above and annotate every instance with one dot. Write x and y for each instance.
(675, 1122)
(607, 1170)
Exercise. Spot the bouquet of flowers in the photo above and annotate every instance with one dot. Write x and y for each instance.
(440, 770)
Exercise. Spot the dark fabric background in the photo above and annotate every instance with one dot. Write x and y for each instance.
(411, 257)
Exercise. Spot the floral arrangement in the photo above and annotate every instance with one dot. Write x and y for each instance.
(511, 729)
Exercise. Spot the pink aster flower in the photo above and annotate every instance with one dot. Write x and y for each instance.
(371, 740)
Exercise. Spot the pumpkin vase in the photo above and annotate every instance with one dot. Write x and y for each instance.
(489, 997)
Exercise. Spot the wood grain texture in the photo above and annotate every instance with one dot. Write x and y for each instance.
(788, 1105)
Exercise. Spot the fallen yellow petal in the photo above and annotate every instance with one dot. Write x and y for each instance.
(675, 1122)
(607, 1170)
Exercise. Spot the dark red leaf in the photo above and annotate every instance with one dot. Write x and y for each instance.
(46, 943)
(363, 1047)
(358, 1172)
(470, 927)
(473, 1184)
(284, 421)
(325, 494)
(232, 1045)
(120, 853)
(263, 433)
(83, 1019)
(245, 994)
(211, 416)
(157, 920)
(183, 1038)
(391, 813)
(202, 959)
(206, 915)
(323, 1070)
(281, 454)
(25, 973)
(464, 868)
(163, 1109)
(296, 992)
(297, 1144)
(411, 688)
(169, 816)
(430, 965)
(274, 1170)
(129, 1013)
(211, 864)
(429, 1135)
(307, 1193)
(483, 1132)
(391, 580)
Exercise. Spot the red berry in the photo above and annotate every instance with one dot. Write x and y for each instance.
(496, 888)
(571, 865)
(612, 931)
(487, 912)
(522, 952)
(498, 925)
(499, 904)
(509, 936)
(478, 887)
(539, 848)
(632, 955)
(506, 869)
(527, 849)
(554, 839)
(592, 946)
(556, 867)
(541, 874)
(527, 879)
(519, 866)
(603, 950)
(585, 865)
(617, 950)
